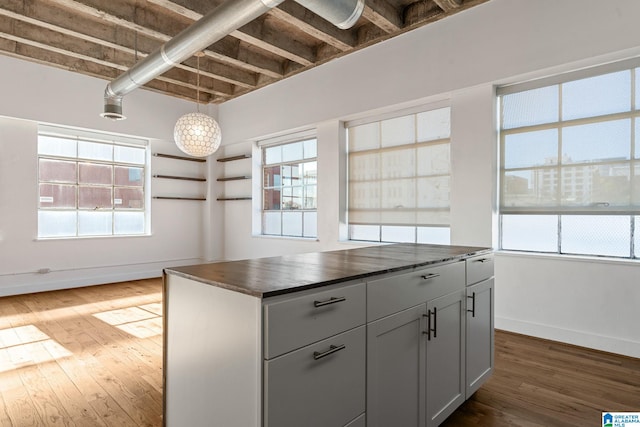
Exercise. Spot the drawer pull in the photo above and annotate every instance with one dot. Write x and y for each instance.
(473, 304)
(332, 349)
(483, 260)
(430, 276)
(330, 301)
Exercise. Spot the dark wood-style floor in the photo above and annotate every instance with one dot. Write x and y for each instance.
(93, 357)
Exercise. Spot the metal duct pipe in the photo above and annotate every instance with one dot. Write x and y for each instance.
(341, 13)
(212, 27)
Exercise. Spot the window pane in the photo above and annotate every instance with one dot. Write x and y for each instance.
(364, 167)
(271, 199)
(310, 149)
(434, 235)
(433, 192)
(95, 151)
(398, 163)
(531, 107)
(57, 171)
(94, 223)
(310, 197)
(398, 131)
(365, 195)
(635, 196)
(129, 155)
(95, 198)
(398, 234)
(128, 198)
(364, 232)
(637, 134)
(272, 223)
(291, 175)
(57, 196)
(291, 152)
(364, 137)
(596, 142)
(310, 224)
(595, 96)
(129, 176)
(531, 149)
(128, 222)
(538, 233)
(310, 173)
(272, 176)
(272, 155)
(596, 235)
(596, 185)
(53, 146)
(291, 198)
(56, 223)
(398, 193)
(93, 173)
(292, 224)
(435, 124)
(433, 160)
(537, 187)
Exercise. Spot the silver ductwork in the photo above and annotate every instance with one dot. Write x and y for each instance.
(212, 27)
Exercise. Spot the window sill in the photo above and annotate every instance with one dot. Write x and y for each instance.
(119, 236)
(301, 239)
(567, 258)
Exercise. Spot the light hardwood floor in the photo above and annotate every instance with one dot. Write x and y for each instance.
(93, 357)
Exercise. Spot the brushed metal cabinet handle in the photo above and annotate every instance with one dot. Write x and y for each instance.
(430, 276)
(332, 349)
(473, 304)
(330, 301)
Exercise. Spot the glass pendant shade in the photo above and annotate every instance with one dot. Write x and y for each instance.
(197, 134)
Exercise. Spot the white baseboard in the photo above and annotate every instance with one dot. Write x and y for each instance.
(583, 339)
(68, 279)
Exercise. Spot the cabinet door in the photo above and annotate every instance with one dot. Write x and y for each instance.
(320, 385)
(445, 356)
(479, 335)
(395, 370)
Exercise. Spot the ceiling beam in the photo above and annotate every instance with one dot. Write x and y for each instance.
(226, 53)
(448, 5)
(255, 33)
(383, 15)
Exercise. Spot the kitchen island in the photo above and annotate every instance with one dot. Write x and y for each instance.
(386, 335)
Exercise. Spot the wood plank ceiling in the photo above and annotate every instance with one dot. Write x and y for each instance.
(103, 38)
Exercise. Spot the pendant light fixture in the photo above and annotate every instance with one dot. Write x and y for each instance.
(197, 134)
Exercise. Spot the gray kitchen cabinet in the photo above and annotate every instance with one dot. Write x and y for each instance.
(396, 370)
(445, 356)
(479, 346)
(371, 336)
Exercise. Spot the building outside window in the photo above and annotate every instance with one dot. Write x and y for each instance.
(90, 184)
(399, 177)
(570, 163)
(289, 189)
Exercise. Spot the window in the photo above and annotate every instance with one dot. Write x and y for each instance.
(289, 189)
(570, 164)
(90, 184)
(399, 178)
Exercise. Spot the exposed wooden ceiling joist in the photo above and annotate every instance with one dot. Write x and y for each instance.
(104, 38)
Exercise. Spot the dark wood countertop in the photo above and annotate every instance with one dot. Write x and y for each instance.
(266, 277)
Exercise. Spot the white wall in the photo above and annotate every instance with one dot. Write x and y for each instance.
(32, 93)
(461, 57)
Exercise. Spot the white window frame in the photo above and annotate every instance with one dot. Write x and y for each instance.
(560, 213)
(98, 137)
(306, 213)
(384, 231)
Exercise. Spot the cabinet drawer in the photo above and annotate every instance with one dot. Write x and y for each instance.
(479, 268)
(291, 322)
(398, 292)
(321, 385)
